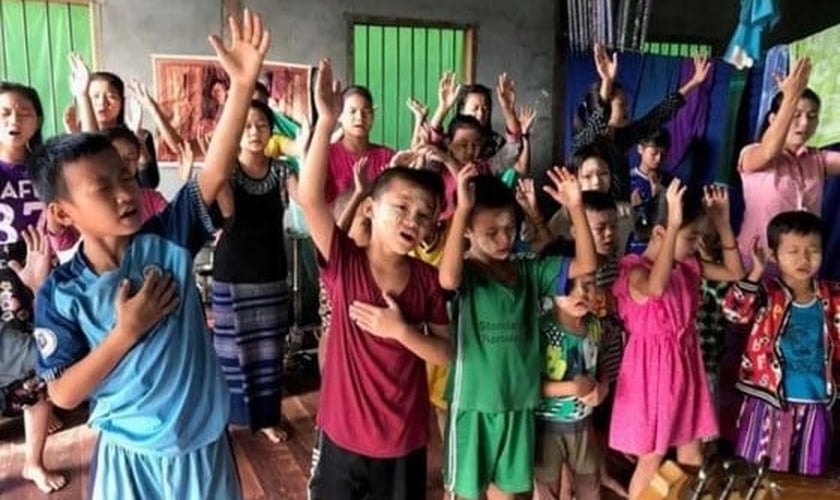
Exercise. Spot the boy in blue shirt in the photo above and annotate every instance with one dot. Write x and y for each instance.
(122, 323)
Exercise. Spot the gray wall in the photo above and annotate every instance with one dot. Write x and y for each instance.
(517, 37)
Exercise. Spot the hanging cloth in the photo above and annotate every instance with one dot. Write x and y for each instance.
(821, 48)
(756, 17)
(776, 63)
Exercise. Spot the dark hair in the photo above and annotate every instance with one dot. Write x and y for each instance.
(692, 206)
(475, 88)
(795, 222)
(427, 180)
(31, 95)
(463, 121)
(266, 111)
(262, 90)
(48, 161)
(117, 84)
(358, 90)
(581, 154)
(598, 202)
(491, 193)
(776, 104)
(122, 133)
(659, 138)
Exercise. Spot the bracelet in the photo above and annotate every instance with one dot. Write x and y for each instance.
(725, 247)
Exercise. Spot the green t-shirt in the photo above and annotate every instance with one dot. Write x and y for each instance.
(495, 332)
(566, 355)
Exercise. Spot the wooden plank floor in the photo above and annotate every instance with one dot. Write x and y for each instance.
(267, 471)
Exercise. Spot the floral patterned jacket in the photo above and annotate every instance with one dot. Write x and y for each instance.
(766, 306)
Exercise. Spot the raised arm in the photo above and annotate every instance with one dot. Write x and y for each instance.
(773, 140)
(242, 61)
(565, 189)
(360, 188)
(419, 111)
(451, 266)
(526, 197)
(79, 84)
(702, 66)
(526, 118)
(162, 124)
(716, 199)
(313, 174)
(448, 92)
(506, 93)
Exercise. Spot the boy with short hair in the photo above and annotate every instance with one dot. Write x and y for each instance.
(122, 322)
(646, 184)
(494, 380)
(374, 409)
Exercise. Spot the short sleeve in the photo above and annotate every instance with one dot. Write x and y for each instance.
(436, 313)
(551, 275)
(185, 221)
(333, 267)
(60, 341)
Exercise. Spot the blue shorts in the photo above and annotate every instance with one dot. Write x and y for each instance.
(206, 473)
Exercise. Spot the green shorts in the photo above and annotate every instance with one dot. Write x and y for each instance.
(484, 448)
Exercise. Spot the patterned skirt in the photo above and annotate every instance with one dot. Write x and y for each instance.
(251, 322)
(797, 439)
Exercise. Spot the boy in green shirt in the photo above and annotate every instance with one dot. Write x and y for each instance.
(494, 379)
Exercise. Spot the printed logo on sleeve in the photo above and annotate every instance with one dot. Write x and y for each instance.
(47, 341)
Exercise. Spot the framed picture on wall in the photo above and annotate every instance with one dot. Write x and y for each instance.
(191, 91)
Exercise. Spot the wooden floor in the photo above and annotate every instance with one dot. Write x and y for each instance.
(267, 471)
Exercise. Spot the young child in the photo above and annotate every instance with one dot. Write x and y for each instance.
(645, 185)
(571, 337)
(251, 298)
(789, 371)
(356, 121)
(475, 100)
(493, 387)
(123, 320)
(369, 447)
(21, 117)
(662, 399)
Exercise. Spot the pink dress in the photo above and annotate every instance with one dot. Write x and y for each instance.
(341, 162)
(790, 181)
(662, 398)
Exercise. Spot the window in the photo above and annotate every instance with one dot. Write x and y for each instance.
(397, 60)
(677, 49)
(35, 40)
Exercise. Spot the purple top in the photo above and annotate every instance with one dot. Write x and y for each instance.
(19, 207)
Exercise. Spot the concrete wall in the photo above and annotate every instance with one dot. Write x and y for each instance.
(517, 37)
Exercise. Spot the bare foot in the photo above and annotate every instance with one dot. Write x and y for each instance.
(45, 480)
(54, 424)
(275, 434)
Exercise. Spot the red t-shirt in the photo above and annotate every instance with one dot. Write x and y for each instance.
(340, 177)
(374, 398)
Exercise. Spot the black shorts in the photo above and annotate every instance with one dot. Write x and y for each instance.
(339, 474)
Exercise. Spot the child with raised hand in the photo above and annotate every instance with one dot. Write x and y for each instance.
(662, 398)
(475, 100)
(789, 370)
(368, 446)
(493, 385)
(21, 118)
(123, 319)
(571, 339)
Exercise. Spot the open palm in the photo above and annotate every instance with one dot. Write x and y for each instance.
(242, 59)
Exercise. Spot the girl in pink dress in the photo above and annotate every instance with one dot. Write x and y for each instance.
(662, 398)
(781, 173)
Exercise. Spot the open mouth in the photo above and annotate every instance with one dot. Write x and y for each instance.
(408, 237)
(128, 214)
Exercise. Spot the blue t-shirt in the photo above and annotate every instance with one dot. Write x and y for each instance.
(804, 354)
(167, 396)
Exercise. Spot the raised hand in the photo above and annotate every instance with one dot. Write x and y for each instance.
(448, 90)
(39, 259)
(526, 196)
(674, 195)
(140, 92)
(327, 93)
(418, 109)
(186, 158)
(526, 117)
(133, 115)
(506, 92)
(759, 258)
(702, 66)
(360, 180)
(79, 76)
(70, 119)
(564, 187)
(716, 201)
(796, 80)
(384, 322)
(606, 66)
(249, 42)
(466, 190)
(137, 314)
